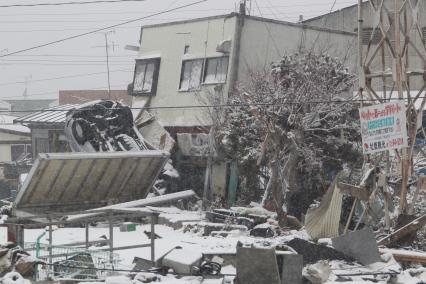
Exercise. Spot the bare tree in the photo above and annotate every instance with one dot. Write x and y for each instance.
(298, 121)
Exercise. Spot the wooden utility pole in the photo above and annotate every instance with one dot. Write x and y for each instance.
(385, 64)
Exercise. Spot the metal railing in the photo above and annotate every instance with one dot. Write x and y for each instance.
(66, 262)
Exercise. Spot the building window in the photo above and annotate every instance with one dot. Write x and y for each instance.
(18, 151)
(366, 36)
(191, 75)
(216, 70)
(424, 34)
(186, 49)
(146, 76)
(41, 145)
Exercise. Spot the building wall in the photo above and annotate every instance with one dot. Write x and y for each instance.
(265, 42)
(8, 139)
(262, 42)
(169, 42)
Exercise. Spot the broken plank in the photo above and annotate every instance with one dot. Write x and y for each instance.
(355, 191)
(403, 231)
(406, 255)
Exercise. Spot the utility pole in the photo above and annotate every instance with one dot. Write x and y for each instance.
(107, 62)
(399, 40)
(107, 46)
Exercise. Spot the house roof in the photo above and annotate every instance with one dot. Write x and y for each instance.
(7, 126)
(28, 105)
(53, 115)
(302, 25)
(83, 96)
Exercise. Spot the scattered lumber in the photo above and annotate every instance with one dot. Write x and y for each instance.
(403, 231)
(354, 191)
(405, 255)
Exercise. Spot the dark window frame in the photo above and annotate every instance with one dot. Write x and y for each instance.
(182, 74)
(206, 66)
(153, 91)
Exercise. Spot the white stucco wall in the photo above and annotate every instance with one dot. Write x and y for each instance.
(169, 41)
(262, 42)
(265, 42)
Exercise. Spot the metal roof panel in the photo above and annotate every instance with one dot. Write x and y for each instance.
(65, 182)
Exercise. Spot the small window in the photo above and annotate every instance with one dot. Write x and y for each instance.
(191, 75)
(41, 146)
(146, 75)
(366, 36)
(17, 151)
(186, 49)
(216, 70)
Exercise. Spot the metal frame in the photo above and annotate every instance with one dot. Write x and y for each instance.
(110, 215)
(401, 72)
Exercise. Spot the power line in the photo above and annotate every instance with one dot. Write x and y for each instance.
(236, 105)
(67, 3)
(55, 92)
(62, 77)
(63, 61)
(101, 29)
(189, 10)
(269, 32)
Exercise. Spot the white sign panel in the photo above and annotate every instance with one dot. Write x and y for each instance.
(383, 127)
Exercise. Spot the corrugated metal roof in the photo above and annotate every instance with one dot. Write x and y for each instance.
(54, 115)
(66, 182)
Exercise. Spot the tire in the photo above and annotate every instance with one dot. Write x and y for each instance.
(79, 130)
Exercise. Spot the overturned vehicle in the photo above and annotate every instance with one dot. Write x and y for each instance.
(103, 126)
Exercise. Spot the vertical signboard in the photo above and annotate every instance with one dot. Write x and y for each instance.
(383, 127)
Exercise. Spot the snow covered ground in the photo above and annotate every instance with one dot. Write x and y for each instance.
(193, 240)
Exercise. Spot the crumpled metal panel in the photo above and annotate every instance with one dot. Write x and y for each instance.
(65, 182)
(323, 222)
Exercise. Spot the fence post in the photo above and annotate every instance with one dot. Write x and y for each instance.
(111, 239)
(153, 221)
(50, 241)
(87, 235)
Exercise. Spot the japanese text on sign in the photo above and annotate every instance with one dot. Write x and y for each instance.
(383, 127)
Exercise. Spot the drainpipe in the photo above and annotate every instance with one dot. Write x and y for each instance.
(235, 54)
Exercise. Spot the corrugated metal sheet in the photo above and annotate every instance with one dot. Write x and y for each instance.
(65, 182)
(323, 222)
(50, 115)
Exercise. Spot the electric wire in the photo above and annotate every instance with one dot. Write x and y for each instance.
(355, 101)
(62, 77)
(67, 3)
(190, 10)
(101, 29)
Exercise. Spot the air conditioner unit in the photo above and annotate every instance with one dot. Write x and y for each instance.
(224, 46)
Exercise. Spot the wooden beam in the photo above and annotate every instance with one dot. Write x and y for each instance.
(358, 192)
(401, 232)
(406, 255)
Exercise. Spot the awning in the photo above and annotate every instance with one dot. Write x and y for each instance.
(67, 182)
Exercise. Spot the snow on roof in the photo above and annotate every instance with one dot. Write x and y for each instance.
(55, 114)
(6, 124)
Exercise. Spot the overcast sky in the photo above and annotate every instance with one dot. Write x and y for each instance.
(78, 59)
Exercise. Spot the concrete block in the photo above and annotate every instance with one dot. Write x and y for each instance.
(257, 266)
(292, 267)
(182, 260)
(361, 245)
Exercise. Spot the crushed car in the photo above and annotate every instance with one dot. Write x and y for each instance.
(103, 126)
